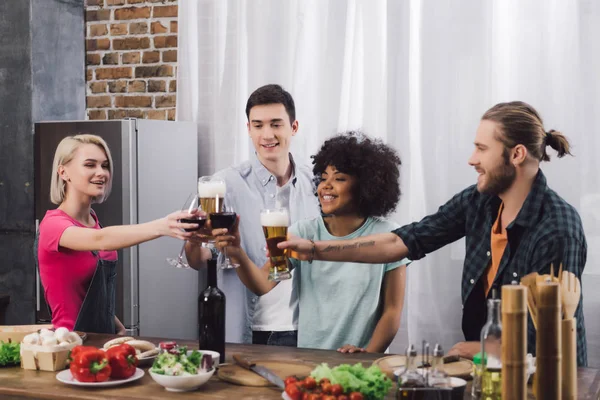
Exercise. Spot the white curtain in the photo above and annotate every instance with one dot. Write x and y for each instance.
(418, 74)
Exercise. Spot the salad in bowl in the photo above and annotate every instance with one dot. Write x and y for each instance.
(179, 370)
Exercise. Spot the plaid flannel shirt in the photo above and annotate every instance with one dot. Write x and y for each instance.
(547, 230)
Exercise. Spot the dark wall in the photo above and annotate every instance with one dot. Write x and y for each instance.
(41, 77)
(58, 54)
(16, 161)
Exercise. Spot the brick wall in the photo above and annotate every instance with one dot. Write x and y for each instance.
(131, 58)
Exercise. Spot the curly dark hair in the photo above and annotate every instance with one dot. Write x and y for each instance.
(375, 165)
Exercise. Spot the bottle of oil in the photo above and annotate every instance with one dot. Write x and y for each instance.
(491, 352)
(437, 375)
(477, 373)
(411, 378)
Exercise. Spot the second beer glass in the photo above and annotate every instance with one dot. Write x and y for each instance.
(275, 224)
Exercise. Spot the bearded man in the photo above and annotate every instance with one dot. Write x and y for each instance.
(514, 224)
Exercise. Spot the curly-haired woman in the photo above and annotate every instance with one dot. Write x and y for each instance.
(346, 306)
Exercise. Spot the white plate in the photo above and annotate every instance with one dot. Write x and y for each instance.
(66, 377)
(147, 361)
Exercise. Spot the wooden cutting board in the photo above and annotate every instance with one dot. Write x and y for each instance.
(233, 373)
(459, 369)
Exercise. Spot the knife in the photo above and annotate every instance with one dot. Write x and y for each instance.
(262, 371)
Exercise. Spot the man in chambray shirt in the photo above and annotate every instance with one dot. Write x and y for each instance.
(271, 179)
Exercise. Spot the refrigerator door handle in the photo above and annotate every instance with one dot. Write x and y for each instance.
(130, 216)
(37, 274)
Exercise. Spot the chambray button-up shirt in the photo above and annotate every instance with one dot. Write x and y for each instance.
(547, 230)
(251, 188)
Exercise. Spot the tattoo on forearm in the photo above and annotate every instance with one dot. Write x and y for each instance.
(331, 248)
(348, 246)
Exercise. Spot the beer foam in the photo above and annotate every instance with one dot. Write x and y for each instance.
(276, 218)
(211, 189)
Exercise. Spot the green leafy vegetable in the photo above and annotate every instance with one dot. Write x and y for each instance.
(371, 382)
(10, 353)
(177, 364)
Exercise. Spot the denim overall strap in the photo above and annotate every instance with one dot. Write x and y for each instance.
(97, 313)
(36, 243)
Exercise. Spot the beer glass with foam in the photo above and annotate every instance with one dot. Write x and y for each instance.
(211, 192)
(275, 224)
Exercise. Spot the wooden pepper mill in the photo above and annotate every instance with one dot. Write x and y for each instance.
(548, 382)
(514, 342)
(569, 359)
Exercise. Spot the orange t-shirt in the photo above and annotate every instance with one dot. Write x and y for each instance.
(498, 245)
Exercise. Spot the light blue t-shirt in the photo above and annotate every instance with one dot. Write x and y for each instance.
(339, 302)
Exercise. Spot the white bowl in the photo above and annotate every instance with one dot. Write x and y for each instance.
(182, 383)
(215, 355)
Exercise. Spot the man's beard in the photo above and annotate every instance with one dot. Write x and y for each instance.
(500, 178)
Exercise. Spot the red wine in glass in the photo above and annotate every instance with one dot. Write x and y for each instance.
(190, 204)
(224, 220)
(199, 221)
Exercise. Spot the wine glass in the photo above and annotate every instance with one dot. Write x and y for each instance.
(211, 192)
(224, 220)
(190, 204)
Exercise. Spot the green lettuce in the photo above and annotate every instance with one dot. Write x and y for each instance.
(10, 353)
(371, 382)
(176, 364)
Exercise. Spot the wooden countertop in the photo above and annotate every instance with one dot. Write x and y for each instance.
(16, 383)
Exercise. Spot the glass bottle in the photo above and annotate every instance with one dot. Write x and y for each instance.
(477, 374)
(437, 376)
(491, 351)
(411, 378)
(211, 314)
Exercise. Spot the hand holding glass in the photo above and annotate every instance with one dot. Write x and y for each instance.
(224, 220)
(275, 224)
(190, 205)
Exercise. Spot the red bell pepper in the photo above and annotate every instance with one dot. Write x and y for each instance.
(89, 364)
(122, 360)
(78, 349)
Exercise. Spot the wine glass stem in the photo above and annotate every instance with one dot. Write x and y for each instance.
(225, 254)
(182, 251)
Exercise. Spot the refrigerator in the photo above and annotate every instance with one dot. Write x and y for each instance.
(155, 169)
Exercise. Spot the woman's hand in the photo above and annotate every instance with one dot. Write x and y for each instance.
(349, 348)
(204, 234)
(172, 226)
(231, 240)
(300, 249)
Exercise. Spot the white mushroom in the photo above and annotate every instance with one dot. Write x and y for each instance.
(73, 337)
(32, 338)
(46, 333)
(61, 334)
(49, 341)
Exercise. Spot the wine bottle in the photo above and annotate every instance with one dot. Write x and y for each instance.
(211, 314)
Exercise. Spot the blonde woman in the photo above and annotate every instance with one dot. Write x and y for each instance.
(77, 257)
